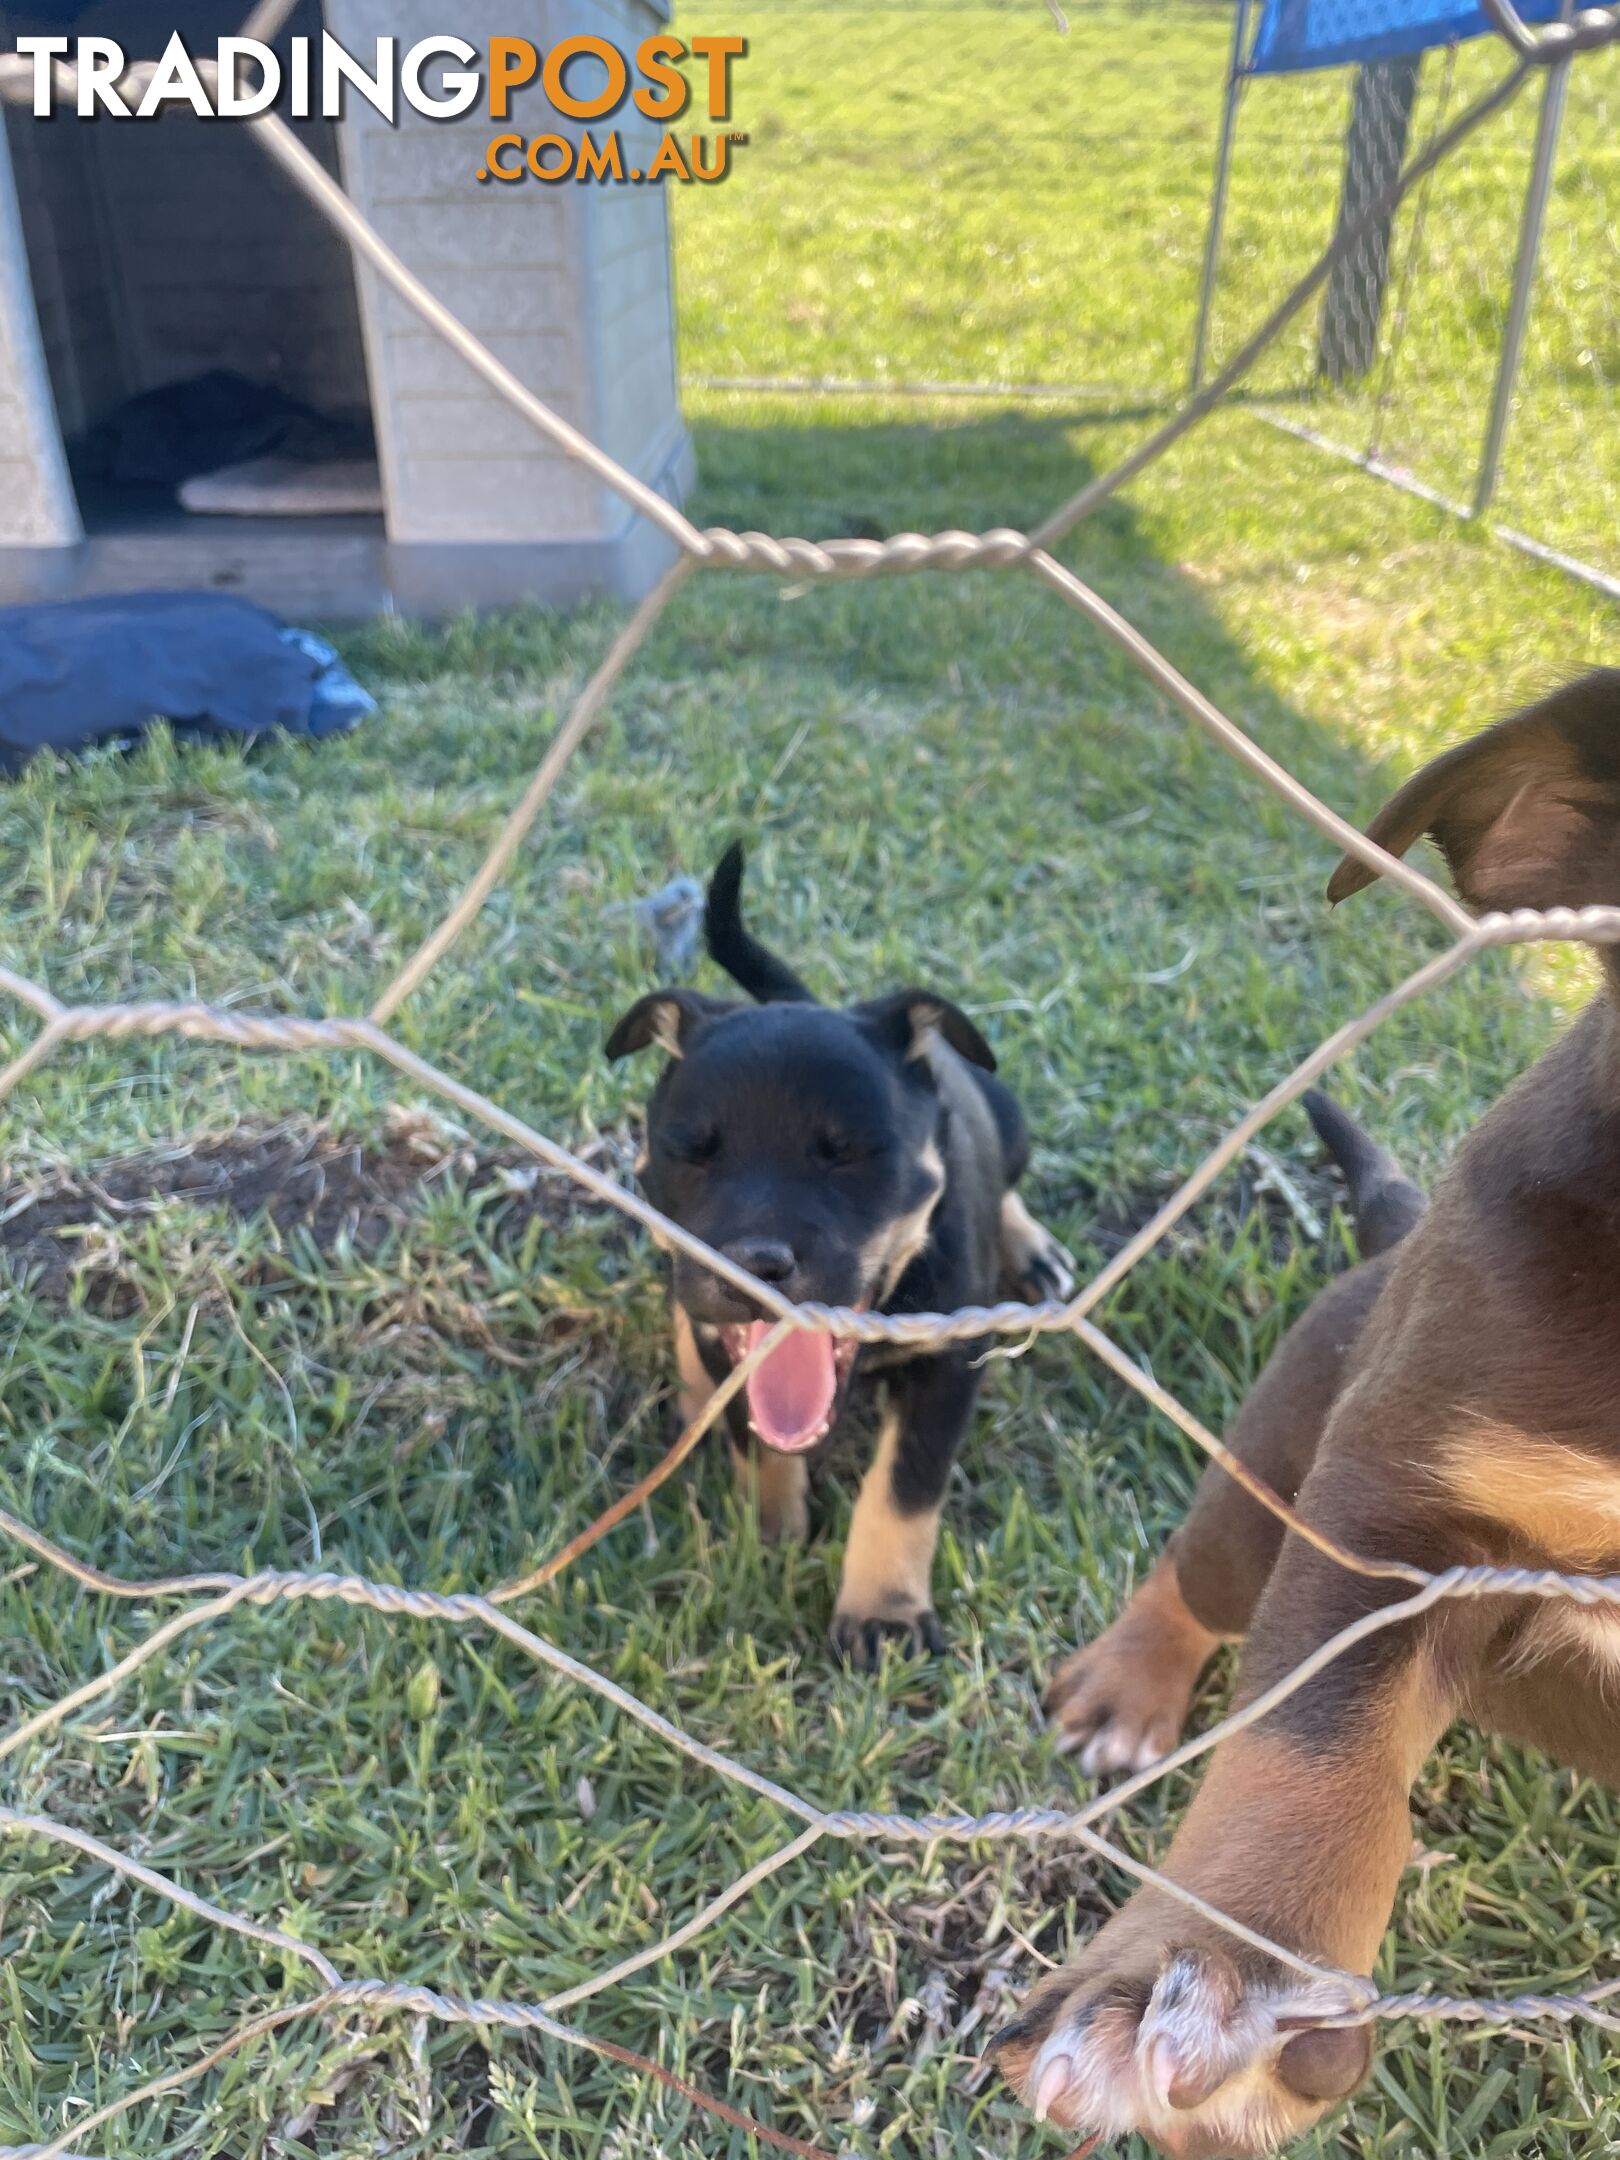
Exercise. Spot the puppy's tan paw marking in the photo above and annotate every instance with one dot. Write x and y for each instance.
(1111, 1728)
(1049, 1272)
(1111, 1734)
(1038, 1268)
(1201, 2062)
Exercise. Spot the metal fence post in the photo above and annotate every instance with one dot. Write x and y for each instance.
(1548, 127)
(1223, 174)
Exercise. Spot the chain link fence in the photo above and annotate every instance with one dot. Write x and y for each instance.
(205, 1599)
(1418, 365)
(1094, 309)
(1403, 367)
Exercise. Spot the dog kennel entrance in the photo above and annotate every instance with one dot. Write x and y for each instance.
(201, 332)
(161, 253)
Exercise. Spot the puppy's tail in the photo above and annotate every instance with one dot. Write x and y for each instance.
(732, 947)
(1383, 1200)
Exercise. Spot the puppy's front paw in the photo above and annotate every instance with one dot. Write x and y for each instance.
(1036, 1267)
(859, 1636)
(1115, 1714)
(1121, 1702)
(1173, 2040)
(1049, 1277)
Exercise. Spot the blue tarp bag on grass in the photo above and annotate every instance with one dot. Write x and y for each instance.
(80, 672)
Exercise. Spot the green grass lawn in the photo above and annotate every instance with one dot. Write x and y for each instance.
(889, 143)
(435, 1372)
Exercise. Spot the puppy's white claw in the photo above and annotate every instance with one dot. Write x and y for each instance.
(1161, 2068)
(1097, 1755)
(1055, 2079)
(1195, 2033)
(1114, 1747)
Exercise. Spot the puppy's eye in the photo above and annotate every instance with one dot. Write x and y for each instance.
(835, 1151)
(693, 1144)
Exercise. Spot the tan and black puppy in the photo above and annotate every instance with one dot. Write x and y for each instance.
(860, 1157)
(1453, 1401)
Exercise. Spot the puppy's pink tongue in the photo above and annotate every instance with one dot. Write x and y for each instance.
(790, 1396)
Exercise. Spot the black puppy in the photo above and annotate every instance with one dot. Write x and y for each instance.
(860, 1158)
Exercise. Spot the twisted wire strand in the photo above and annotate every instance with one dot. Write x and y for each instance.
(271, 1586)
(922, 1331)
(64, 1023)
(1597, 925)
(215, 1595)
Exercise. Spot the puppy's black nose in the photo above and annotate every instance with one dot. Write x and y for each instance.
(768, 1258)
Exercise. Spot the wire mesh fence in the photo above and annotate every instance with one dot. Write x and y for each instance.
(204, 1599)
(1560, 478)
(1112, 103)
(1397, 366)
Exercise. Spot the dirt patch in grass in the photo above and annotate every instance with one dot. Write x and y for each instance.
(943, 1971)
(306, 1182)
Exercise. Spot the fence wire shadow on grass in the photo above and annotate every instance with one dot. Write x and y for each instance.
(210, 1597)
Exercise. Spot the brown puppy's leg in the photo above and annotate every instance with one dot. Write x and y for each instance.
(1166, 2024)
(1561, 1702)
(1122, 1700)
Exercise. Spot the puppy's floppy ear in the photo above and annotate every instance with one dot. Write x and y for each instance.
(665, 1017)
(1527, 815)
(907, 1021)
